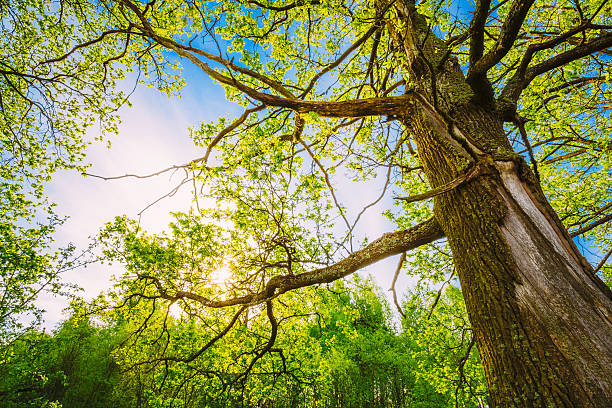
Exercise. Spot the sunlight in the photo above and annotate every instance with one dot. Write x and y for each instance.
(175, 310)
(220, 275)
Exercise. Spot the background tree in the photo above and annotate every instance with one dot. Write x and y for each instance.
(349, 353)
(73, 367)
(408, 92)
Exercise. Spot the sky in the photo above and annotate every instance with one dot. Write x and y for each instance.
(154, 135)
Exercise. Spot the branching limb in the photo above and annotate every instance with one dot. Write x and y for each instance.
(287, 7)
(342, 57)
(203, 159)
(390, 244)
(226, 131)
(591, 226)
(462, 362)
(269, 344)
(520, 124)
(509, 31)
(476, 170)
(603, 261)
(354, 108)
(437, 299)
(525, 74)
(211, 342)
(476, 30)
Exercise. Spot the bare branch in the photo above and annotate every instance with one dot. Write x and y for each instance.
(603, 261)
(397, 271)
(481, 167)
(520, 123)
(600, 43)
(591, 226)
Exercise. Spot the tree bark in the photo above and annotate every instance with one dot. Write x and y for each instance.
(542, 319)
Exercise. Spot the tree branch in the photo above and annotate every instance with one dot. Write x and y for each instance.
(211, 342)
(392, 243)
(479, 168)
(603, 261)
(600, 43)
(524, 75)
(341, 109)
(287, 7)
(353, 108)
(592, 225)
(509, 31)
(342, 57)
(476, 30)
(395, 276)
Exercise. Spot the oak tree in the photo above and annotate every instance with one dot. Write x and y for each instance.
(497, 113)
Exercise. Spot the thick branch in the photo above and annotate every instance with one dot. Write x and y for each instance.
(509, 31)
(476, 30)
(287, 7)
(392, 243)
(600, 43)
(524, 76)
(342, 109)
(354, 108)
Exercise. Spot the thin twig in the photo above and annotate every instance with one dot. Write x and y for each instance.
(440, 294)
(397, 271)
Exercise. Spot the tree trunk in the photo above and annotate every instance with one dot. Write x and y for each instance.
(542, 319)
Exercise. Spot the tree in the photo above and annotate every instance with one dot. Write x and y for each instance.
(73, 367)
(51, 92)
(333, 86)
(346, 354)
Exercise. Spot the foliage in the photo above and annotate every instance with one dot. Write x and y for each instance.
(328, 87)
(346, 354)
(71, 368)
(59, 78)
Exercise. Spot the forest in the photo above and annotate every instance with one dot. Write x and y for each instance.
(485, 126)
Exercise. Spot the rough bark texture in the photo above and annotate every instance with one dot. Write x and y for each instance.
(542, 320)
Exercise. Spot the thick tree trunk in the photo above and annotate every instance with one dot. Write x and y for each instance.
(542, 319)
